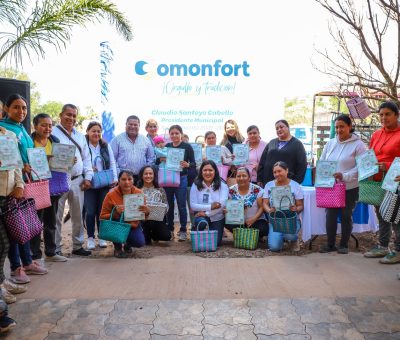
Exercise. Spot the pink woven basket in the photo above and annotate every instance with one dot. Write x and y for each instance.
(39, 191)
(331, 197)
(358, 108)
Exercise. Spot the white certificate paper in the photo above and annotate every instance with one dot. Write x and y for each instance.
(132, 202)
(63, 157)
(234, 212)
(394, 170)
(366, 164)
(9, 154)
(281, 197)
(198, 153)
(241, 152)
(324, 176)
(38, 161)
(174, 158)
(213, 153)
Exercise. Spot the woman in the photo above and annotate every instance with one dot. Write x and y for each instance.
(42, 138)
(16, 110)
(211, 139)
(102, 159)
(152, 129)
(285, 148)
(148, 182)
(208, 197)
(115, 199)
(252, 196)
(11, 185)
(386, 144)
(275, 239)
(232, 135)
(256, 149)
(175, 133)
(343, 149)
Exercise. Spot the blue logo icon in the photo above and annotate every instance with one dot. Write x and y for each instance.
(139, 68)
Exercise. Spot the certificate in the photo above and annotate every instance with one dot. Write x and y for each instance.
(38, 161)
(132, 202)
(9, 154)
(234, 212)
(241, 152)
(63, 157)
(394, 170)
(198, 152)
(366, 164)
(324, 176)
(213, 153)
(281, 197)
(174, 158)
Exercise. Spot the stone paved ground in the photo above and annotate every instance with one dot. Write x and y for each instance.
(313, 318)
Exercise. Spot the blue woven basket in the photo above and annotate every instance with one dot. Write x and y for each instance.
(114, 231)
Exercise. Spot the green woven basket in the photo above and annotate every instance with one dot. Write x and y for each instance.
(114, 231)
(371, 192)
(245, 238)
(283, 221)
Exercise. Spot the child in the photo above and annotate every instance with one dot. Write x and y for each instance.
(160, 150)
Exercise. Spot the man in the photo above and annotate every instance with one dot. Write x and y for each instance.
(81, 175)
(132, 151)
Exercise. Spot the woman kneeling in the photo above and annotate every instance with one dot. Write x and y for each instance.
(115, 199)
(251, 194)
(208, 196)
(275, 239)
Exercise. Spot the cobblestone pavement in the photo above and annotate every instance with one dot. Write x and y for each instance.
(312, 318)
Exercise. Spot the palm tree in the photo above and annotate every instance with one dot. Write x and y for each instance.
(50, 22)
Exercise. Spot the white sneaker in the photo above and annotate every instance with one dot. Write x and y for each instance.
(7, 296)
(13, 288)
(102, 243)
(182, 236)
(90, 244)
(56, 258)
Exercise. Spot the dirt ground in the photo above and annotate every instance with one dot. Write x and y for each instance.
(226, 250)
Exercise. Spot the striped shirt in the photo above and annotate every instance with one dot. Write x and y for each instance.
(132, 155)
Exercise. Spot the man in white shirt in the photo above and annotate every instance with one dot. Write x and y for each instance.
(81, 175)
(132, 151)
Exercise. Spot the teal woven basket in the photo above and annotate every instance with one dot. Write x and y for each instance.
(371, 192)
(283, 221)
(114, 231)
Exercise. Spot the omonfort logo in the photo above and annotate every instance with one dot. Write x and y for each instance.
(194, 70)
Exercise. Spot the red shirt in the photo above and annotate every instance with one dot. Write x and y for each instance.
(386, 144)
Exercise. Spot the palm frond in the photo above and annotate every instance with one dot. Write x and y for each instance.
(11, 10)
(51, 23)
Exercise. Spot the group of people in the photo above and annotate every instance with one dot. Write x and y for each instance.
(135, 161)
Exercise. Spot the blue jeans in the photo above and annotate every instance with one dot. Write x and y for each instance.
(275, 239)
(18, 253)
(200, 223)
(180, 195)
(135, 239)
(93, 201)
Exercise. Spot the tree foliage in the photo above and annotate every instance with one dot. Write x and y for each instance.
(50, 23)
(367, 39)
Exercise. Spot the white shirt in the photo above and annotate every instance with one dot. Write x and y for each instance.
(201, 200)
(83, 163)
(98, 164)
(295, 188)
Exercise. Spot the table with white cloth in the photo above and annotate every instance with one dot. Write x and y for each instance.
(313, 218)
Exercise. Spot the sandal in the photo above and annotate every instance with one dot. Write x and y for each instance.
(119, 254)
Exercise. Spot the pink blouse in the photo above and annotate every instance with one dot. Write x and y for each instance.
(254, 159)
